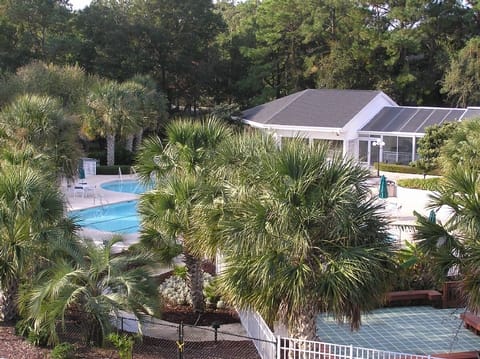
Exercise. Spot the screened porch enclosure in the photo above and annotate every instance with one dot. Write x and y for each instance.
(394, 149)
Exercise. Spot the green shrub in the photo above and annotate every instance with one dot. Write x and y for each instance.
(63, 351)
(392, 167)
(211, 293)
(428, 184)
(123, 343)
(414, 270)
(25, 329)
(175, 289)
(180, 271)
(122, 155)
(113, 170)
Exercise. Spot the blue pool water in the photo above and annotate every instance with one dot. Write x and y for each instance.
(120, 217)
(127, 186)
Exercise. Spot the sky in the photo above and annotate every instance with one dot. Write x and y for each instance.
(79, 4)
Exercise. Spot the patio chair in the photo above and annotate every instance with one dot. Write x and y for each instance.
(83, 189)
(82, 179)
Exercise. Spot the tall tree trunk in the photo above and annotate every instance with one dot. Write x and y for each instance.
(304, 327)
(138, 139)
(195, 277)
(110, 149)
(9, 300)
(129, 143)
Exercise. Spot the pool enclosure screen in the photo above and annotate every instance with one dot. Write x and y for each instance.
(392, 149)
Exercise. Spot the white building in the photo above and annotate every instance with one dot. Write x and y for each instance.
(353, 121)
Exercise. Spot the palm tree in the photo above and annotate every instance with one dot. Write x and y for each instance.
(299, 235)
(150, 107)
(452, 246)
(107, 104)
(96, 284)
(39, 122)
(31, 210)
(180, 169)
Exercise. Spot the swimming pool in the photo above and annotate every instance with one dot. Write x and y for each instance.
(126, 186)
(119, 218)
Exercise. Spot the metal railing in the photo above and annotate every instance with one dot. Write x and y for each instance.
(270, 346)
(305, 349)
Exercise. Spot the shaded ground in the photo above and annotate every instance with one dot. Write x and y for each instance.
(180, 313)
(13, 347)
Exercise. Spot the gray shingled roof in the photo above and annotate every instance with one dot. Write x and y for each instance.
(312, 108)
(411, 119)
(472, 112)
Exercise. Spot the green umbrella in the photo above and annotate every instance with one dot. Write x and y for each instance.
(383, 192)
(432, 217)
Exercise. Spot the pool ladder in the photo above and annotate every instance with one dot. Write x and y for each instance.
(101, 201)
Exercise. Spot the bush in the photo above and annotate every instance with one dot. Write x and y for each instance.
(180, 271)
(175, 289)
(123, 343)
(392, 167)
(25, 329)
(122, 155)
(113, 170)
(428, 184)
(212, 294)
(414, 270)
(63, 351)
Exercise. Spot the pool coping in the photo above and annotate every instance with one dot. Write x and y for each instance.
(98, 198)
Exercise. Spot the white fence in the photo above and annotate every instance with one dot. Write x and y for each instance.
(257, 328)
(271, 347)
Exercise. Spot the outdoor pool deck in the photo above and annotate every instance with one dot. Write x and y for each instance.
(97, 196)
(416, 330)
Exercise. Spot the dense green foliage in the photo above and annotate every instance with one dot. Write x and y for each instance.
(452, 244)
(298, 231)
(299, 234)
(123, 343)
(414, 269)
(202, 54)
(95, 284)
(182, 172)
(113, 170)
(462, 147)
(430, 145)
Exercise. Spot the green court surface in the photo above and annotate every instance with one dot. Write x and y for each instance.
(415, 330)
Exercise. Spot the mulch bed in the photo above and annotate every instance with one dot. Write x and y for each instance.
(13, 347)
